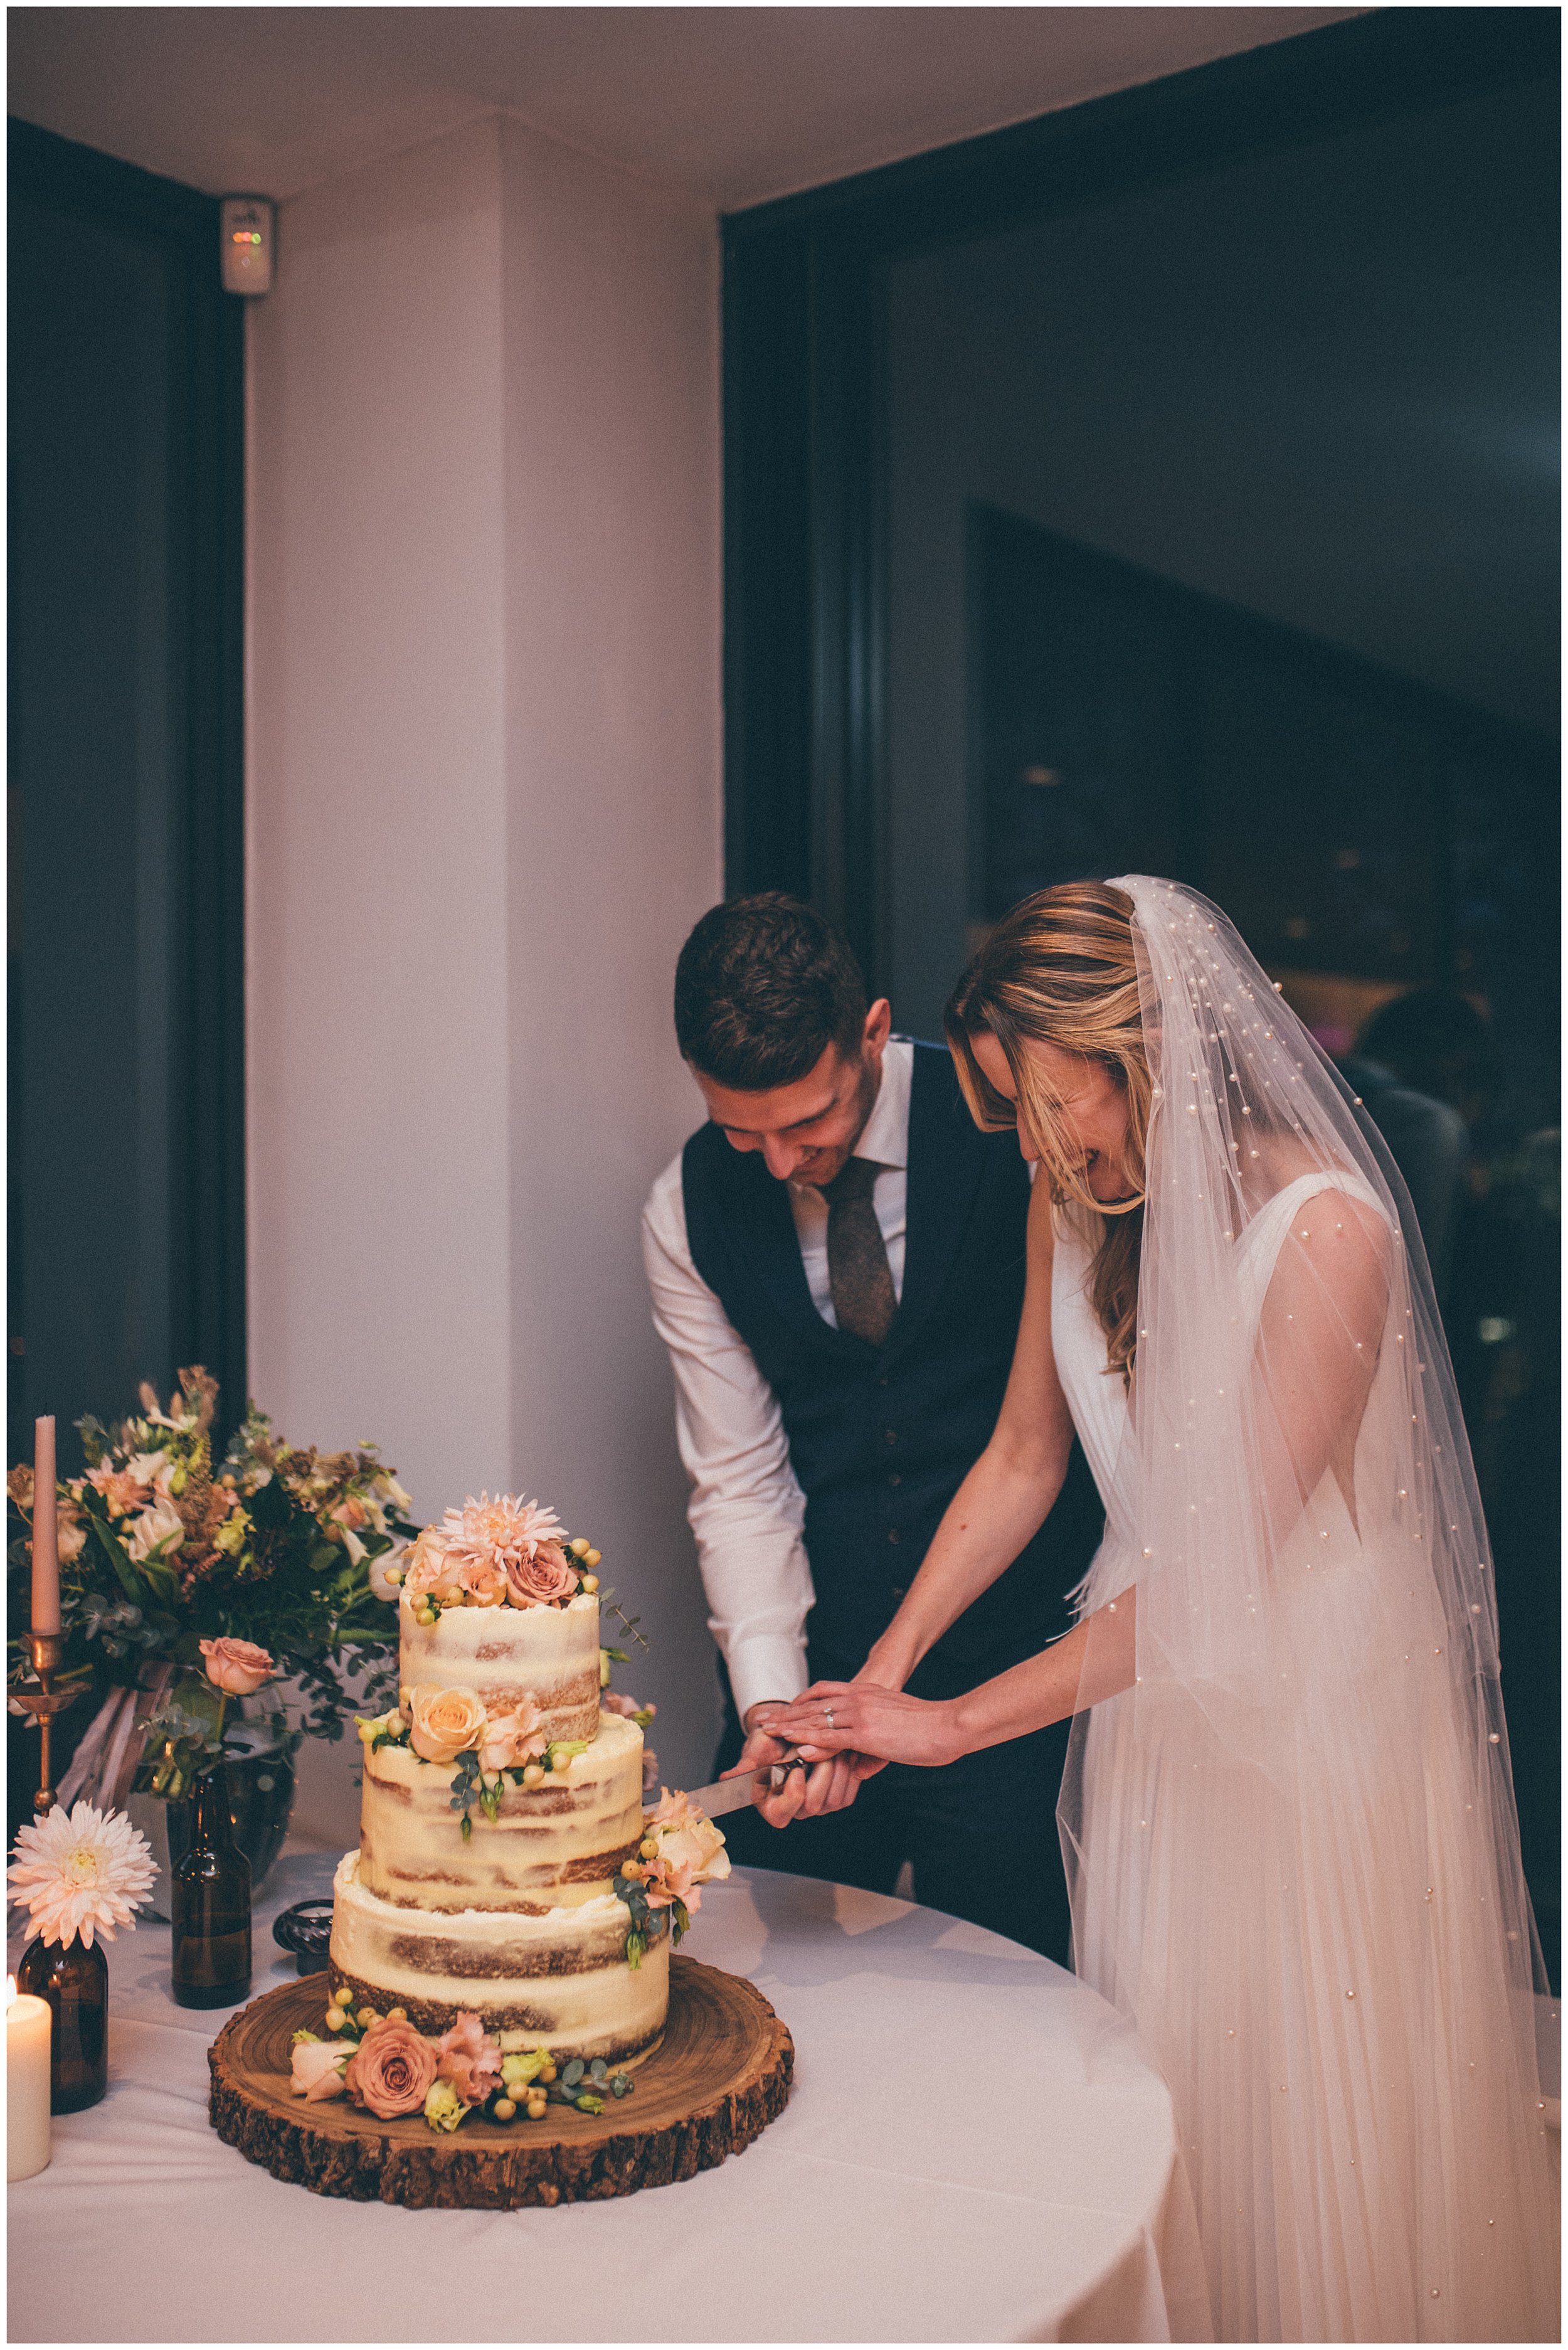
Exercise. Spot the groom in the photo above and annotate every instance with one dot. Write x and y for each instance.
(836, 1261)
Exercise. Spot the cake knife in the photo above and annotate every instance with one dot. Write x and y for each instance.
(735, 1794)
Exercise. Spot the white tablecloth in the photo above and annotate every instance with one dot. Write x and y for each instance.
(976, 2150)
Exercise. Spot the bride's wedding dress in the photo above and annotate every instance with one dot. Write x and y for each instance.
(1291, 1844)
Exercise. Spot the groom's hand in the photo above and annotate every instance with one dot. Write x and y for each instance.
(760, 1752)
(805, 1794)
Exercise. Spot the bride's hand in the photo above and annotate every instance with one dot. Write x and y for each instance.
(830, 1785)
(860, 1717)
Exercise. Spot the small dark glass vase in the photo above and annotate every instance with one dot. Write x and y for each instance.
(75, 1981)
(259, 1776)
(210, 1904)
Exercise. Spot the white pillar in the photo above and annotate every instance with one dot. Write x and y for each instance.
(484, 807)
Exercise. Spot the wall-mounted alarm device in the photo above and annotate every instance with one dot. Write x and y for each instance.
(249, 236)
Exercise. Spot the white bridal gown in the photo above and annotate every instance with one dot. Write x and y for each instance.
(1320, 1978)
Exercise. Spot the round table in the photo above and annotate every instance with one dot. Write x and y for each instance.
(976, 2150)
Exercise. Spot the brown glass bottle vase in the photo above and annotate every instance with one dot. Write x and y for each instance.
(210, 1904)
(75, 1981)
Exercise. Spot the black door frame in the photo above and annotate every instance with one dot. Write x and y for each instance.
(207, 536)
(803, 324)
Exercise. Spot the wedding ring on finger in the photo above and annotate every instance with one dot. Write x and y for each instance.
(829, 1710)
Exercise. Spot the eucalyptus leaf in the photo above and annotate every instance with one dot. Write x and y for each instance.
(125, 1574)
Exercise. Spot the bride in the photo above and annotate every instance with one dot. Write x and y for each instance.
(1287, 1817)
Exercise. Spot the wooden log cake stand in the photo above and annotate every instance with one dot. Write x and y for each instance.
(721, 2075)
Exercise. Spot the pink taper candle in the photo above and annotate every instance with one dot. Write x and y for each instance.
(45, 1554)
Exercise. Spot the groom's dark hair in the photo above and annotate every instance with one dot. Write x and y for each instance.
(763, 987)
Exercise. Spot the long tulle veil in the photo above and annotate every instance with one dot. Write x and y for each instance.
(1292, 1845)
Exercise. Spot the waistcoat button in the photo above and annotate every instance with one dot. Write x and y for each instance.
(892, 1534)
(895, 1478)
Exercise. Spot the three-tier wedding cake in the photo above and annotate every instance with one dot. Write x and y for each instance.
(505, 1867)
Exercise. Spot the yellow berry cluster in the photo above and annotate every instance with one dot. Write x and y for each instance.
(341, 2012)
(527, 2073)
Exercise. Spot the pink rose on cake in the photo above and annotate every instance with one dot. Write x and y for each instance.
(442, 1722)
(542, 1577)
(391, 2070)
(316, 2072)
(469, 2059)
(515, 1738)
(690, 1852)
(238, 1667)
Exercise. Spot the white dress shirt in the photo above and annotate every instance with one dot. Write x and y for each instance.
(746, 1508)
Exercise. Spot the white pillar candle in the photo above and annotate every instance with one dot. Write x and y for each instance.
(45, 1552)
(28, 2024)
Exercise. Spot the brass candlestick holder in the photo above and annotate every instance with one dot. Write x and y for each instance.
(44, 1702)
(71, 1977)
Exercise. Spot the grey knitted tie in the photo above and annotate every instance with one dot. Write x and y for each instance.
(857, 1272)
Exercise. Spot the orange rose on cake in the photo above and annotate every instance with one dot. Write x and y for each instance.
(443, 1722)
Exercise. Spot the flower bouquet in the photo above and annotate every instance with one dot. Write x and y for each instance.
(186, 1582)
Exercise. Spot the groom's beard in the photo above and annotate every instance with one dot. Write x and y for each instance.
(822, 1166)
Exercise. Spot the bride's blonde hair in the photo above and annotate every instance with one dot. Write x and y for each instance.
(1060, 969)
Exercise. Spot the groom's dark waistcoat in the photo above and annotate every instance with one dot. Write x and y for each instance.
(881, 1438)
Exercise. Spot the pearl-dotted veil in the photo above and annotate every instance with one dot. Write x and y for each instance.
(1293, 1845)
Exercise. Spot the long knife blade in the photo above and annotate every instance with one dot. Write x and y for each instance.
(734, 1795)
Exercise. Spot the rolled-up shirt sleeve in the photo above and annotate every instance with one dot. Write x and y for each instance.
(746, 1508)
